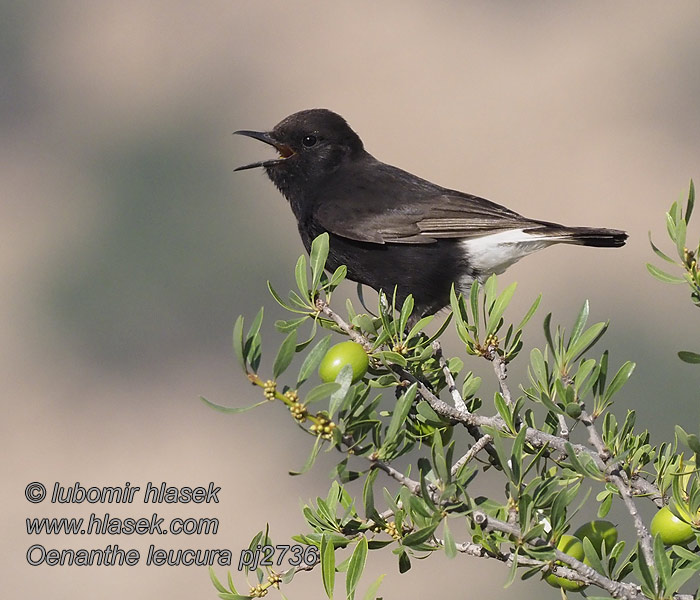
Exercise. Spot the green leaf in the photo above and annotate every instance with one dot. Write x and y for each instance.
(404, 562)
(256, 324)
(691, 202)
(285, 354)
(320, 392)
(619, 380)
(679, 578)
(372, 590)
(318, 256)
(231, 409)
(689, 357)
(290, 325)
(587, 339)
(659, 253)
(513, 571)
(238, 342)
(215, 581)
(605, 506)
(450, 546)
(368, 496)
(313, 359)
(344, 380)
(389, 357)
(403, 405)
(591, 555)
(312, 458)
(662, 275)
(300, 276)
(503, 410)
(419, 326)
(474, 302)
(328, 565)
(680, 237)
(338, 275)
(499, 307)
(418, 537)
(643, 570)
(406, 311)
(662, 562)
(529, 313)
(280, 301)
(356, 567)
(580, 323)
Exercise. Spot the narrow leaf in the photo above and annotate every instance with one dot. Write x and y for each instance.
(587, 339)
(499, 307)
(580, 323)
(372, 590)
(231, 409)
(300, 276)
(450, 546)
(356, 567)
(659, 252)
(312, 457)
(420, 536)
(662, 275)
(691, 202)
(403, 405)
(689, 357)
(344, 380)
(318, 256)
(328, 565)
(619, 380)
(320, 392)
(313, 358)
(285, 354)
(238, 341)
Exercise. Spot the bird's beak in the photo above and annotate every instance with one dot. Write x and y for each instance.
(284, 151)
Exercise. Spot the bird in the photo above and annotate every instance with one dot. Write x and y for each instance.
(394, 231)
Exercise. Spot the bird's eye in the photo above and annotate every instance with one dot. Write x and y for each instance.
(308, 141)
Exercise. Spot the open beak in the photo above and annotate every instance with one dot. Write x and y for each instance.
(284, 151)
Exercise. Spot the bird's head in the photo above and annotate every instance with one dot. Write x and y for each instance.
(311, 145)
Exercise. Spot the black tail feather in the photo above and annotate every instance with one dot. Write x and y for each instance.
(582, 236)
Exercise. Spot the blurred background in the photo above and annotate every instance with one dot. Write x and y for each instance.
(130, 246)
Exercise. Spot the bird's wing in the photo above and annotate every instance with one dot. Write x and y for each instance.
(418, 221)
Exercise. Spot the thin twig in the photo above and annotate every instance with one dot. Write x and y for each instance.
(451, 385)
(499, 367)
(412, 485)
(355, 336)
(479, 445)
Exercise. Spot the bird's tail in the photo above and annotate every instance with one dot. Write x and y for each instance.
(584, 236)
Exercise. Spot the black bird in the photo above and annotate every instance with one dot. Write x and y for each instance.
(392, 228)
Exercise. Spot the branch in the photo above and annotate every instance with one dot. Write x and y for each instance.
(615, 476)
(584, 573)
(499, 367)
(355, 336)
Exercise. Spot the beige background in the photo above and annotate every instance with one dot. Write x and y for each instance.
(129, 246)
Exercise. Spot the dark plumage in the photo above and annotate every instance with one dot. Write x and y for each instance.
(392, 228)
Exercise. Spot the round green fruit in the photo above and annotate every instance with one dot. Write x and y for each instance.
(573, 547)
(345, 353)
(671, 529)
(599, 533)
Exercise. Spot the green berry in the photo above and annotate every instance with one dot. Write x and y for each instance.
(344, 353)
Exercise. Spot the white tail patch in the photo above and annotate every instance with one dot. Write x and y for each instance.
(496, 252)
